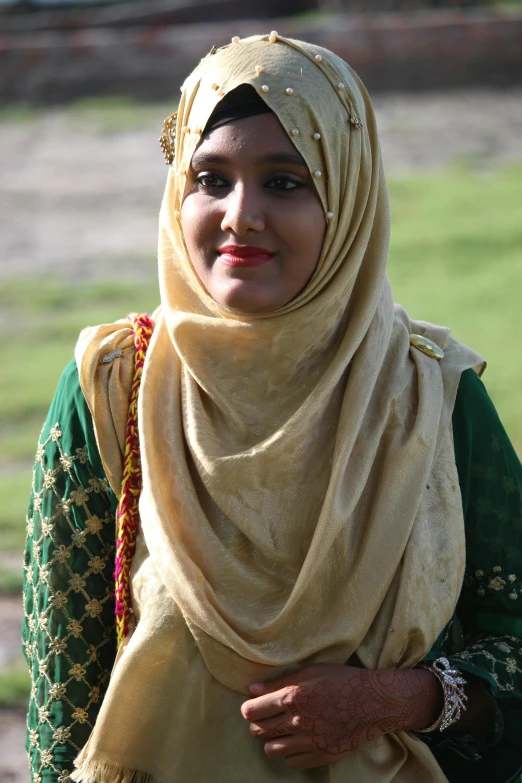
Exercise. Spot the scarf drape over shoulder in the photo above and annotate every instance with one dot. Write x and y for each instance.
(300, 497)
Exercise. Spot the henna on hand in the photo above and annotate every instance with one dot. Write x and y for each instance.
(325, 712)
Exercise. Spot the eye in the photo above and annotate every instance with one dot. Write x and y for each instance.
(283, 183)
(209, 181)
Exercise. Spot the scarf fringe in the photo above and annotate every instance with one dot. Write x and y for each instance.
(103, 771)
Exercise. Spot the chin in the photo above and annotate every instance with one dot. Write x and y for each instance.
(246, 298)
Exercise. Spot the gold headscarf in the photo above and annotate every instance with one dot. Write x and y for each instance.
(300, 497)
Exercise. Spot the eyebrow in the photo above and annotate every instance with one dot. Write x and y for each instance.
(276, 158)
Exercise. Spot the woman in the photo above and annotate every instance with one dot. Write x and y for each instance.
(317, 476)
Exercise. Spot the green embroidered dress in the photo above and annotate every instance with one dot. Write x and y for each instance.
(68, 633)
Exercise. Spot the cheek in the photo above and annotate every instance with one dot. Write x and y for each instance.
(316, 229)
(306, 232)
(199, 224)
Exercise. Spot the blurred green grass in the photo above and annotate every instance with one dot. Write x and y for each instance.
(508, 6)
(40, 321)
(15, 683)
(456, 259)
(98, 115)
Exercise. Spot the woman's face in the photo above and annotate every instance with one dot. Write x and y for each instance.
(251, 218)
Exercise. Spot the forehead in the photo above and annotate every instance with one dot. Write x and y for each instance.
(253, 137)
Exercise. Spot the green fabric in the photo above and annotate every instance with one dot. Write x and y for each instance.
(490, 477)
(68, 631)
(69, 635)
(499, 623)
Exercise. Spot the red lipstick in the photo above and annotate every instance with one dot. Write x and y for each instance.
(244, 255)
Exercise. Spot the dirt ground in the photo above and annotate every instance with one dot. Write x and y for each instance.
(13, 758)
(81, 200)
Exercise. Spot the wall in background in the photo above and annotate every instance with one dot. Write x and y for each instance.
(440, 49)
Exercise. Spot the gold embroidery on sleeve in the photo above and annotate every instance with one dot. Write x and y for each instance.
(57, 535)
(495, 582)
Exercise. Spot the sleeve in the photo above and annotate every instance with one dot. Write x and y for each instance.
(485, 639)
(68, 630)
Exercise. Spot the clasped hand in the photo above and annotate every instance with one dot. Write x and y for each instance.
(324, 712)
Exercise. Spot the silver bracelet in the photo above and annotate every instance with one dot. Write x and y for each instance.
(454, 696)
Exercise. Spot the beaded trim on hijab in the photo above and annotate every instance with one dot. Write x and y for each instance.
(167, 138)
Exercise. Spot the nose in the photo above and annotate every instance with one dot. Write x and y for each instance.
(243, 211)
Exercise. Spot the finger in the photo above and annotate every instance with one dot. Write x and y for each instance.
(270, 686)
(288, 746)
(266, 706)
(279, 726)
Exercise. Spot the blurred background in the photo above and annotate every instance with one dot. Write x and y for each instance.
(84, 88)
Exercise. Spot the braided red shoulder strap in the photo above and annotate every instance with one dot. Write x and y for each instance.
(127, 517)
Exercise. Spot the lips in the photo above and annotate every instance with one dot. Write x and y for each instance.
(244, 255)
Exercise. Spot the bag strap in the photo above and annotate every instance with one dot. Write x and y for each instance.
(127, 514)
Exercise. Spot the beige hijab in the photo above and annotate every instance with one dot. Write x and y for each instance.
(300, 498)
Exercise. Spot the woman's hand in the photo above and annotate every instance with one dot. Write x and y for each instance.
(324, 712)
